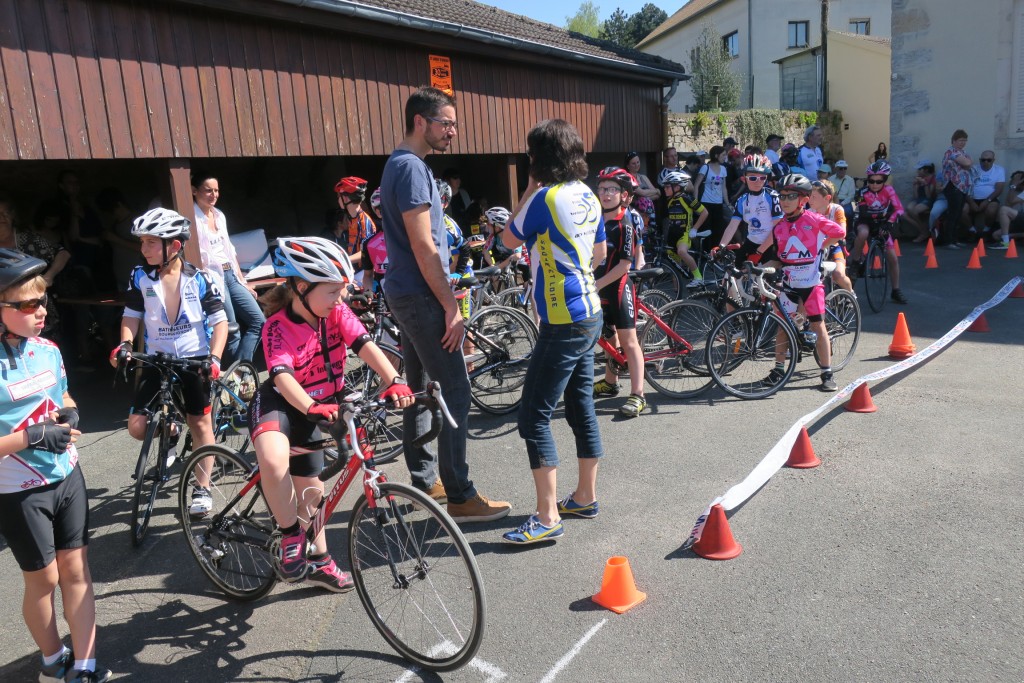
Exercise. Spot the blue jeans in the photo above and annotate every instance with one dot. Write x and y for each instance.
(562, 365)
(241, 307)
(421, 321)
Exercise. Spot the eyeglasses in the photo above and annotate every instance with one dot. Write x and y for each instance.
(790, 196)
(987, 159)
(756, 178)
(26, 306)
(447, 124)
(609, 190)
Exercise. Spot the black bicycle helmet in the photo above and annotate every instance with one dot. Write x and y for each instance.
(794, 182)
(16, 266)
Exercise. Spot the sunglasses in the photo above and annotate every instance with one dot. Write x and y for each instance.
(875, 182)
(790, 196)
(986, 160)
(756, 178)
(26, 306)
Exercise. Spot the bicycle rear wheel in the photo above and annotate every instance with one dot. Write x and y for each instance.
(504, 341)
(514, 298)
(232, 543)
(670, 281)
(876, 277)
(150, 471)
(742, 348)
(669, 367)
(417, 577)
(229, 405)
(842, 322)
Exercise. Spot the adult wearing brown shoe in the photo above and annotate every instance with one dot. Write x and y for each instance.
(424, 306)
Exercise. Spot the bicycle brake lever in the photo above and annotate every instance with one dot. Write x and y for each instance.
(434, 391)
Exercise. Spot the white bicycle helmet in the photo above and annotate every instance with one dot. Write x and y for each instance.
(313, 259)
(375, 199)
(498, 215)
(676, 178)
(445, 190)
(162, 223)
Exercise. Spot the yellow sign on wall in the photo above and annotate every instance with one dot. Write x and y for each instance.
(441, 74)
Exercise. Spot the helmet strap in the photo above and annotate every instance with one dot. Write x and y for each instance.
(293, 283)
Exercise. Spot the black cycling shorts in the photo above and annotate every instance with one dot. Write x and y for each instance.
(748, 248)
(40, 521)
(270, 412)
(195, 390)
(617, 304)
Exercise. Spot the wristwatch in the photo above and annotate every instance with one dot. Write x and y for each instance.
(399, 380)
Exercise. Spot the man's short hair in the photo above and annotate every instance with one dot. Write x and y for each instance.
(958, 134)
(451, 174)
(810, 131)
(729, 141)
(556, 152)
(771, 138)
(425, 102)
(667, 150)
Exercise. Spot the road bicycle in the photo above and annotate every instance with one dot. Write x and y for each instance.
(230, 395)
(416, 575)
(673, 364)
(744, 344)
(876, 268)
(675, 280)
(502, 341)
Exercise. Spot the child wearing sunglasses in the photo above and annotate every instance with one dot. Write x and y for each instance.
(879, 207)
(758, 209)
(44, 506)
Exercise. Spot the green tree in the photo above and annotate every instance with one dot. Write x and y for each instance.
(646, 20)
(713, 82)
(616, 29)
(585, 20)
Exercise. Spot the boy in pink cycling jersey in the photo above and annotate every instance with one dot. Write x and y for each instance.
(800, 239)
(878, 205)
(308, 324)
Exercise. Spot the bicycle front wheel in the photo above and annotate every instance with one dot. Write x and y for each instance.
(742, 350)
(417, 577)
(518, 299)
(876, 277)
(504, 340)
(673, 368)
(842, 322)
(384, 425)
(232, 542)
(229, 405)
(150, 470)
(670, 281)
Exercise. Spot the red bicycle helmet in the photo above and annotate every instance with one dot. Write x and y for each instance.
(352, 186)
(625, 179)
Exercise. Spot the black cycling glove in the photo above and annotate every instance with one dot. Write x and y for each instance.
(49, 437)
(68, 416)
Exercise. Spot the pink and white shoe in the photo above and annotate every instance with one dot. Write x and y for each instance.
(326, 573)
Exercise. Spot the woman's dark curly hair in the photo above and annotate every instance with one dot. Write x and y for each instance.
(556, 153)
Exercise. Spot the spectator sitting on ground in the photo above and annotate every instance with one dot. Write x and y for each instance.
(982, 206)
(925, 191)
(1011, 216)
(824, 171)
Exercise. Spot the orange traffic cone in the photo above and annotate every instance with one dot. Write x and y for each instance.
(931, 262)
(901, 346)
(896, 248)
(1011, 251)
(618, 590)
(980, 324)
(876, 263)
(802, 456)
(929, 249)
(1018, 292)
(717, 543)
(864, 251)
(861, 401)
(981, 248)
(975, 262)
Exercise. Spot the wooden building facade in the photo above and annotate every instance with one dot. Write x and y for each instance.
(177, 81)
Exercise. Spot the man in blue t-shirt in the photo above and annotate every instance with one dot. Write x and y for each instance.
(424, 306)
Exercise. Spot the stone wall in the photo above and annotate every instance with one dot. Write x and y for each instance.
(686, 137)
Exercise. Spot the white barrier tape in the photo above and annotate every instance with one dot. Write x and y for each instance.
(779, 454)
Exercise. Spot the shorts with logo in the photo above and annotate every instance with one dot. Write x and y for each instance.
(270, 412)
(195, 390)
(617, 304)
(813, 299)
(40, 521)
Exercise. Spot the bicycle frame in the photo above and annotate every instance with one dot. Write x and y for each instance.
(652, 317)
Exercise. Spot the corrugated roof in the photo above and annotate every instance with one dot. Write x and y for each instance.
(481, 16)
(684, 14)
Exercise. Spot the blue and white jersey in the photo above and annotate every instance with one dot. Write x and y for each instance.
(760, 211)
(29, 393)
(201, 307)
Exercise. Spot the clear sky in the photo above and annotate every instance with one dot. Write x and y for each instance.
(555, 11)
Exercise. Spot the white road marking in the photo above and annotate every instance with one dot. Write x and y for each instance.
(564, 661)
(491, 671)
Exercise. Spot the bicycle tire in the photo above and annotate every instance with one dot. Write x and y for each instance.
(654, 299)
(232, 544)
(388, 544)
(741, 353)
(668, 366)
(670, 281)
(150, 470)
(513, 298)
(876, 280)
(229, 405)
(843, 323)
(505, 340)
(384, 426)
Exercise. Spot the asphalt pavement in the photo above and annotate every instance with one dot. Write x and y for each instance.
(898, 559)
